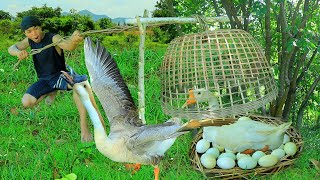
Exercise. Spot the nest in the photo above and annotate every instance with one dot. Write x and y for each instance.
(227, 63)
(236, 172)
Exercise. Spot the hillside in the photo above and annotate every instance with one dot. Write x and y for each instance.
(96, 17)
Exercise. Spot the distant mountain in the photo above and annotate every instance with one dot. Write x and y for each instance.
(96, 17)
(119, 21)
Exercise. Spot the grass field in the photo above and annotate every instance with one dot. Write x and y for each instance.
(44, 142)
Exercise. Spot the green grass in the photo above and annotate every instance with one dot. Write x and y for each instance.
(44, 142)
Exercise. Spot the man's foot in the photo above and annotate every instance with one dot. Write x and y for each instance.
(86, 137)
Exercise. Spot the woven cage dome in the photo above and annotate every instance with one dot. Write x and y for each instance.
(219, 73)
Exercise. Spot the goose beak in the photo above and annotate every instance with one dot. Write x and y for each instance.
(191, 100)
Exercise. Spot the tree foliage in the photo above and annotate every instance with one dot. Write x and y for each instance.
(105, 23)
(53, 21)
(41, 12)
(4, 15)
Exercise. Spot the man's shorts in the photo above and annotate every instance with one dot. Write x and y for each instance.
(42, 87)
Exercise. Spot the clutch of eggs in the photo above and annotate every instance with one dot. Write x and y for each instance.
(218, 156)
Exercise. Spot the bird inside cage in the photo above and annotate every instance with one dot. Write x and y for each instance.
(203, 98)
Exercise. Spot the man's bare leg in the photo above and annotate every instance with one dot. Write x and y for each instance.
(28, 101)
(86, 136)
(51, 97)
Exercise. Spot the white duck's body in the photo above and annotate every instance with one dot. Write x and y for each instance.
(129, 140)
(246, 134)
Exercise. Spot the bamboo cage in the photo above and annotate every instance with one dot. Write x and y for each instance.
(227, 64)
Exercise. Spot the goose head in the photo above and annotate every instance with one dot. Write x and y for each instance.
(83, 90)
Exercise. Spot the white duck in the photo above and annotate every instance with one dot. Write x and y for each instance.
(129, 140)
(202, 95)
(246, 134)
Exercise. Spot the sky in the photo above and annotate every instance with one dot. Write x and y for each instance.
(111, 8)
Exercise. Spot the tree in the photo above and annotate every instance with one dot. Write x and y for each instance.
(4, 15)
(41, 12)
(105, 23)
(295, 51)
(166, 8)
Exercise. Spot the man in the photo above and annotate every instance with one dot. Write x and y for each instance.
(48, 64)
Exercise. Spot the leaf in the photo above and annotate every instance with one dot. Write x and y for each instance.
(71, 176)
(35, 132)
(14, 111)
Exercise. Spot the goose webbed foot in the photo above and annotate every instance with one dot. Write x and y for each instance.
(251, 151)
(248, 151)
(156, 171)
(265, 148)
(133, 167)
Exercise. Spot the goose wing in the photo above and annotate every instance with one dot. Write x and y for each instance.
(156, 138)
(109, 87)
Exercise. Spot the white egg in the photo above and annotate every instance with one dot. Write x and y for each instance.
(286, 139)
(214, 151)
(202, 146)
(228, 154)
(290, 148)
(257, 155)
(247, 162)
(226, 163)
(279, 153)
(239, 155)
(268, 160)
(208, 160)
(244, 118)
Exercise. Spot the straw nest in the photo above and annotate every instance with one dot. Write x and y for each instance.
(229, 63)
(236, 172)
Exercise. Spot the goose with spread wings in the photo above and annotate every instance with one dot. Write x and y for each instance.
(129, 140)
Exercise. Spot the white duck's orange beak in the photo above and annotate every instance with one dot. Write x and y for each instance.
(191, 100)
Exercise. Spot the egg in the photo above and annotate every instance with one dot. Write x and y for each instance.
(279, 153)
(257, 155)
(213, 151)
(247, 162)
(244, 118)
(208, 160)
(226, 163)
(286, 139)
(228, 154)
(290, 148)
(239, 155)
(268, 160)
(202, 146)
